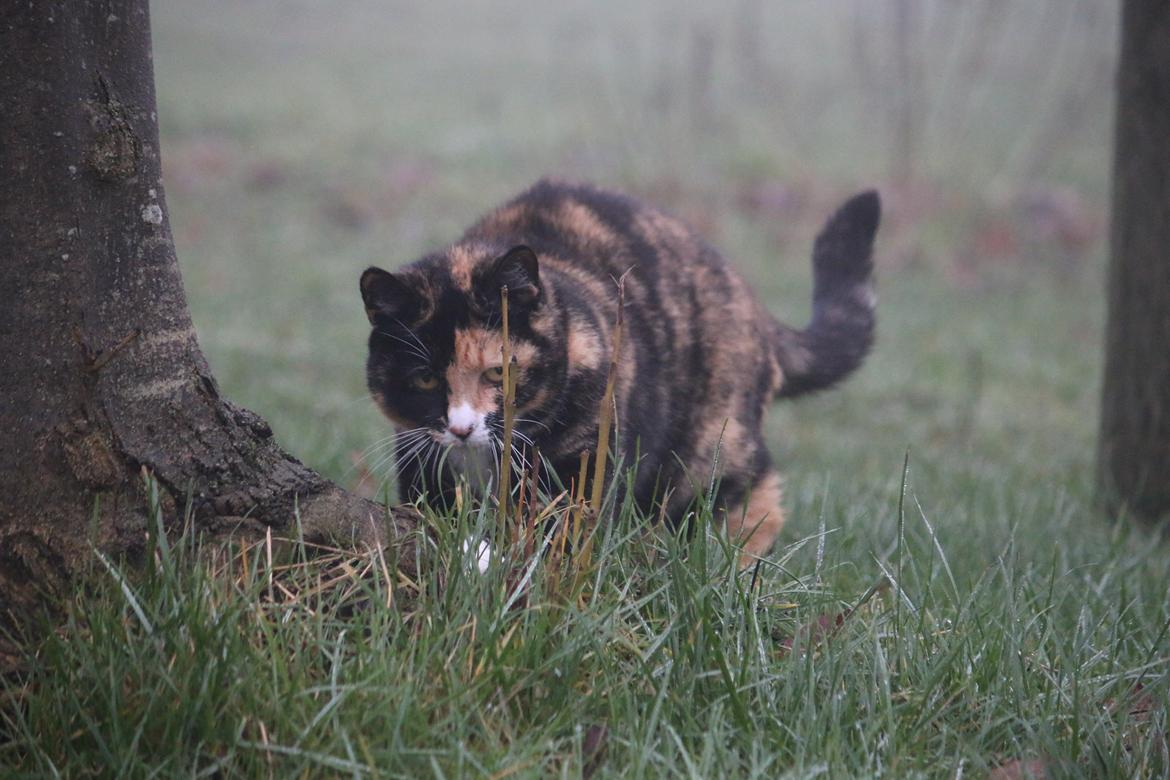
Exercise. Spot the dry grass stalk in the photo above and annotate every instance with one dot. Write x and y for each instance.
(324, 574)
(530, 525)
(509, 417)
(605, 420)
(579, 496)
(605, 423)
(518, 512)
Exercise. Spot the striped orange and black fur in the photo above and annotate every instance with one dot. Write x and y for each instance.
(701, 361)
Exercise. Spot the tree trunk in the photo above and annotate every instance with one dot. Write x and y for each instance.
(1134, 445)
(102, 375)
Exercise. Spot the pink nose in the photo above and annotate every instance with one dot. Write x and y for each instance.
(462, 431)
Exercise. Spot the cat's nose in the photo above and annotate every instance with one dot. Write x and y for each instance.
(461, 420)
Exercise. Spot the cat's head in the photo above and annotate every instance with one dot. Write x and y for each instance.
(436, 346)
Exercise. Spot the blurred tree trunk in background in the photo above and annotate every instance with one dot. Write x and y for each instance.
(102, 376)
(1134, 445)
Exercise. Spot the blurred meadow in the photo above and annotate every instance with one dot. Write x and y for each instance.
(303, 141)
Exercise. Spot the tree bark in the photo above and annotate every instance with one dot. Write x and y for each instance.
(1134, 443)
(102, 374)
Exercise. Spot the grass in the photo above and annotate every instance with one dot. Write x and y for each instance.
(917, 655)
(987, 612)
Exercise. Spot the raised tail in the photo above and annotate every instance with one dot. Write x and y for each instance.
(841, 332)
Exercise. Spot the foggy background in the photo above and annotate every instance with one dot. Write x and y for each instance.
(303, 141)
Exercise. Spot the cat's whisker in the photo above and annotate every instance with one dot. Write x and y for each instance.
(413, 350)
(431, 460)
(377, 450)
(497, 449)
(414, 336)
(407, 450)
(439, 461)
(377, 445)
(393, 440)
(524, 459)
(399, 444)
(402, 457)
(519, 458)
(414, 434)
(427, 438)
(380, 465)
(519, 463)
(533, 422)
(418, 453)
(363, 460)
(410, 348)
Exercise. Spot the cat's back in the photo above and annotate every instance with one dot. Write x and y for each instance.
(595, 228)
(687, 293)
(584, 228)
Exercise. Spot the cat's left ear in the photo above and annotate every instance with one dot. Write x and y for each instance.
(387, 295)
(518, 270)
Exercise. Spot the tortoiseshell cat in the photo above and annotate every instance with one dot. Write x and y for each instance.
(701, 359)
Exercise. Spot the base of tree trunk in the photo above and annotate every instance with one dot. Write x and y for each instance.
(216, 465)
(102, 375)
(217, 468)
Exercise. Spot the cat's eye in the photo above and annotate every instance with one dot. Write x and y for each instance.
(425, 381)
(494, 375)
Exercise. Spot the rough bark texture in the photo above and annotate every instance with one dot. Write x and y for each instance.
(102, 374)
(1134, 447)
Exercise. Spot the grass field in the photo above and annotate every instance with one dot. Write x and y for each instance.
(959, 615)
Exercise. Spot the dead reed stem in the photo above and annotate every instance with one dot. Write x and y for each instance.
(509, 418)
(579, 495)
(605, 422)
(605, 416)
(530, 525)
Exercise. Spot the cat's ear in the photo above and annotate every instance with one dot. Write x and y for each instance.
(518, 270)
(387, 295)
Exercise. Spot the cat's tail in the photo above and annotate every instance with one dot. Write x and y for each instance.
(841, 332)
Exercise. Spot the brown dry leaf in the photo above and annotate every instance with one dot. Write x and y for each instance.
(593, 749)
(1142, 707)
(826, 626)
(1141, 704)
(813, 633)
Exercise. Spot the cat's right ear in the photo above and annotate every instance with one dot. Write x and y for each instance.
(386, 295)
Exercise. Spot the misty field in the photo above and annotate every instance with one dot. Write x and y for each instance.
(945, 599)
